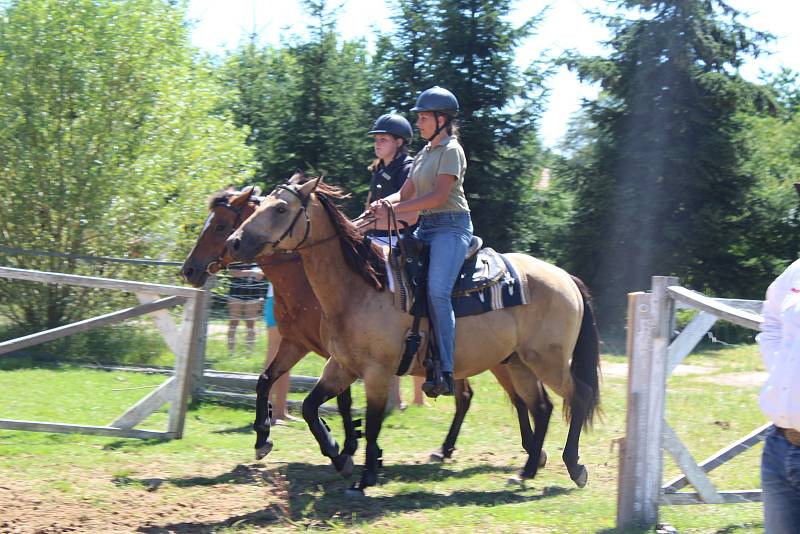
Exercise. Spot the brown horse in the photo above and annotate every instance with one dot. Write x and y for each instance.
(298, 315)
(553, 338)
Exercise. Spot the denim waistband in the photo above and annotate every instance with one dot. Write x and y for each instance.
(458, 217)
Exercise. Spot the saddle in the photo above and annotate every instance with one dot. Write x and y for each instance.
(487, 281)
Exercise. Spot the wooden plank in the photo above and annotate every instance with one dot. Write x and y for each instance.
(37, 426)
(221, 379)
(198, 369)
(688, 339)
(696, 476)
(632, 466)
(249, 400)
(723, 455)
(248, 381)
(753, 306)
(721, 310)
(88, 324)
(145, 407)
(91, 281)
(728, 497)
(663, 308)
(163, 321)
(184, 364)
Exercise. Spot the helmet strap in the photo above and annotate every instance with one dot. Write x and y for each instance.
(439, 128)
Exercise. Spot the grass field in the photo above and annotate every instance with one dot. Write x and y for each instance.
(208, 482)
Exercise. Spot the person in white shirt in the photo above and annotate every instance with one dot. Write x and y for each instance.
(779, 341)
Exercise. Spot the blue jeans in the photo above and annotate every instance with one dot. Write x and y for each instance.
(448, 235)
(780, 485)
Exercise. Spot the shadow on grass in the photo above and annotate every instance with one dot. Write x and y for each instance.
(260, 518)
(246, 429)
(316, 494)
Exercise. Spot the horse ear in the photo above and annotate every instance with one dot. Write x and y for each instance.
(310, 186)
(298, 177)
(242, 198)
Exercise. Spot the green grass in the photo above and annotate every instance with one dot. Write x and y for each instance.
(208, 482)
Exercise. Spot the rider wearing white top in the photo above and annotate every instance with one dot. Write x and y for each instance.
(780, 401)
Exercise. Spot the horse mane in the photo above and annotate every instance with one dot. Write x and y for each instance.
(360, 254)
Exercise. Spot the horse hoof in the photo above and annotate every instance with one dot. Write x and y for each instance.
(347, 469)
(582, 478)
(543, 459)
(354, 493)
(436, 457)
(516, 480)
(263, 451)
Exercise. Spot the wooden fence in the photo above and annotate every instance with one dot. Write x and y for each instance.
(186, 342)
(652, 355)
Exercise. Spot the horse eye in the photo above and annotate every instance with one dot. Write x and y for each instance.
(219, 227)
(281, 209)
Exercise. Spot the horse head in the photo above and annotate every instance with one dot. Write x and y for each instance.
(209, 255)
(281, 222)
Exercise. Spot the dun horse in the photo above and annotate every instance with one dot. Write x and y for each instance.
(298, 315)
(553, 338)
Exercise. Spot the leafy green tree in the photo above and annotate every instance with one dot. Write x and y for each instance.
(110, 142)
(769, 222)
(664, 181)
(308, 104)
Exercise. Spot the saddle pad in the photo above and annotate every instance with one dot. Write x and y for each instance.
(490, 283)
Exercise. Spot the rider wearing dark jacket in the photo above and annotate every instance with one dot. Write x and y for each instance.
(392, 164)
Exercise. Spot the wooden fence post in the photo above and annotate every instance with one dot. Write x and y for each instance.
(649, 332)
(204, 302)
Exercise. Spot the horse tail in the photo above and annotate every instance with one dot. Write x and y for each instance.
(585, 365)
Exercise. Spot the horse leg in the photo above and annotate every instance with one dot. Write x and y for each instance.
(287, 355)
(463, 398)
(344, 402)
(530, 396)
(578, 415)
(334, 380)
(376, 384)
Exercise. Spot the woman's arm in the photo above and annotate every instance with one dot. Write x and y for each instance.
(434, 199)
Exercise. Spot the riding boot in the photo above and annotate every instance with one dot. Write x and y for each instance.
(432, 387)
(448, 386)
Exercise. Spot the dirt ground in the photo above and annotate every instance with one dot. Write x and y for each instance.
(205, 506)
(755, 378)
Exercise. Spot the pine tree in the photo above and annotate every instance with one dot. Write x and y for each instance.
(665, 177)
(468, 47)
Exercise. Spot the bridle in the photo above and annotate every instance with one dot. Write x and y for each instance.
(217, 265)
(290, 229)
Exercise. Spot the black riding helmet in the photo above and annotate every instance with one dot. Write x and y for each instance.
(393, 124)
(441, 102)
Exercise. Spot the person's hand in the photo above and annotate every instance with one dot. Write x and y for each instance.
(380, 209)
(258, 275)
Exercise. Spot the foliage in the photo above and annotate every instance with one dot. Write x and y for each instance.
(308, 105)
(111, 141)
(769, 222)
(661, 179)
(468, 47)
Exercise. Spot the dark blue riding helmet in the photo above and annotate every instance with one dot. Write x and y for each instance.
(437, 99)
(393, 124)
